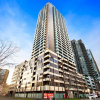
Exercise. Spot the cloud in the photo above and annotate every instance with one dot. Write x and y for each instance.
(15, 27)
(72, 31)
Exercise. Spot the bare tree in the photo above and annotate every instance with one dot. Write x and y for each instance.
(7, 51)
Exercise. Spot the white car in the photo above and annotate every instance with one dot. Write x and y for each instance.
(93, 96)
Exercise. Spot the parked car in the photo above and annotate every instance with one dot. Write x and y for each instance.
(98, 95)
(93, 96)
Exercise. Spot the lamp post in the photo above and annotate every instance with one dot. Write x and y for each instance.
(88, 91)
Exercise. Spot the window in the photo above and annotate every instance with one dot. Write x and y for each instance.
(33, 78)
(32, 84)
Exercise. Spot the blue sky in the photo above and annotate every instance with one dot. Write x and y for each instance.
(18, 20)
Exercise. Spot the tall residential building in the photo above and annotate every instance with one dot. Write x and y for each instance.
(94, 65)
(95, 69)
(3, 77)
(51, 70)
(51, 33)
(86, 64)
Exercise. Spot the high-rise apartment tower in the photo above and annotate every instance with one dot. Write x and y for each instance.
(86, 64)
(51, 70)
(51, 33)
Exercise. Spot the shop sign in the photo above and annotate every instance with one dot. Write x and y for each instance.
(48, 95)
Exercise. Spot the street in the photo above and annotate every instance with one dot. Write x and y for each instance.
(6, 98)
(91, 99)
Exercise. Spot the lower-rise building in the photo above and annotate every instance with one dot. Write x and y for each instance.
(3, 78)
(90, 82)
(47, 74)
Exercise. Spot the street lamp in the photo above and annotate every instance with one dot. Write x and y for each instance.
(88, 91)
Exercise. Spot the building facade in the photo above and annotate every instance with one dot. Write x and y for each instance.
(86, 64)
(94, 65)
(51, 70)
(47, 74)
(95, 70)
(51, 33)
(3, 77)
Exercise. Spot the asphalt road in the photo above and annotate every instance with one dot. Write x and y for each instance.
(91, 99)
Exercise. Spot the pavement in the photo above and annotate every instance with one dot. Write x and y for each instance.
(5, 98)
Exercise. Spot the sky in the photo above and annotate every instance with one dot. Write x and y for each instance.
(18, 20)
